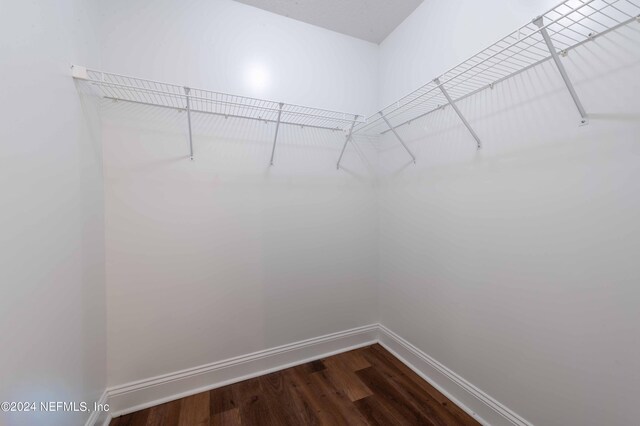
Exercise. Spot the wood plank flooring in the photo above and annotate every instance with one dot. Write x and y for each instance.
(367, 386)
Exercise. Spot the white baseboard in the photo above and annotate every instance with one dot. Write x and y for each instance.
(146, 393)
(484, 408)
(99, 417)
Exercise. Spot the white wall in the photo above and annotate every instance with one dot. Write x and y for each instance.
(213, 44)
(52, 295)
(224, 256)
(515, 266)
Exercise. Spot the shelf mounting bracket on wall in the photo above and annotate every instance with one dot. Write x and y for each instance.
(186, 91)
(393, 129)
(275, 138)
(458, 112)
(349, 136)
(539, 21)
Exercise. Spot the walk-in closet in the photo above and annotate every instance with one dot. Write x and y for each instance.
(319, 212)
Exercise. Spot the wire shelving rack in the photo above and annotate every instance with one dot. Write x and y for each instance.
(549, 36)
(154, 93)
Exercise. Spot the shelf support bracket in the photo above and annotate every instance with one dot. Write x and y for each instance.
(275, 138)
(186, 91)
(349, 136)
(393, 129)
(539, 21)
(458, 112)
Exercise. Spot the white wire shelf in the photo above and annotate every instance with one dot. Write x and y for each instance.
(568, 25)
(131, 89)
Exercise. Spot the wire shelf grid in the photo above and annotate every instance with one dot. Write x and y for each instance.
(131, 89)
(569, 25)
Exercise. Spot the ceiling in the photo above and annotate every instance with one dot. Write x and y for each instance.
(371, 20)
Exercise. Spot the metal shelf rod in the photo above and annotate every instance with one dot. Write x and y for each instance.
(186, 91)
(539, 21)
(413, 157)
(457, 110)
(355, 118)
(275, 138)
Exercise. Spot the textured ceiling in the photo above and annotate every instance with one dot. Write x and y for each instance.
(371, 20)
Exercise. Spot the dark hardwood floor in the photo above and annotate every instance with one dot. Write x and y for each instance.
(368, 386)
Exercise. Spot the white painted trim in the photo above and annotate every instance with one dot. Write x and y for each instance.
(141, 394)
(484, 408)
(99, 417)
